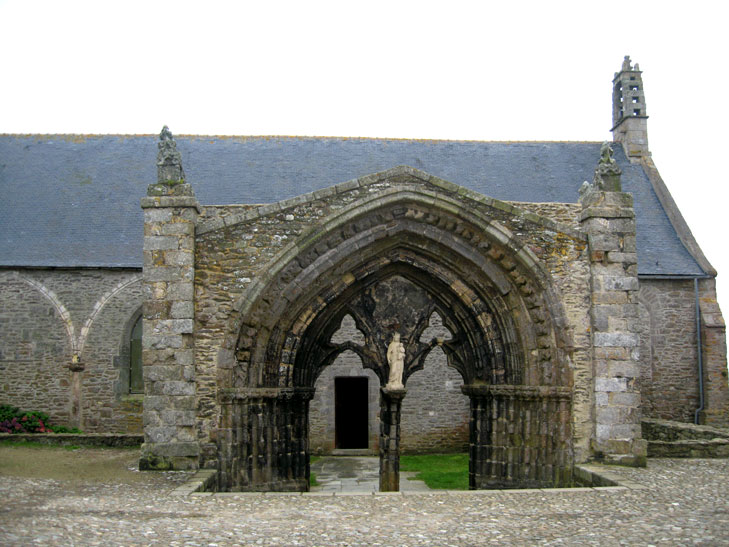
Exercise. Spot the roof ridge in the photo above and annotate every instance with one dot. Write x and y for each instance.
(295, 137)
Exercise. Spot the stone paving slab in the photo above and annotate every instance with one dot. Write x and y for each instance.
(681, 502)
(347, 474)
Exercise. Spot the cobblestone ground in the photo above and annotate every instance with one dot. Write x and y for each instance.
(684, 502)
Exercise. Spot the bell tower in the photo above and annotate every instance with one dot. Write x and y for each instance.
(630, 121)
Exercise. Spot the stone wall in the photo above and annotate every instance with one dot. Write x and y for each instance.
(435, 413)
(321, 408)
(235, 247)
(48, 317)
(669, 369)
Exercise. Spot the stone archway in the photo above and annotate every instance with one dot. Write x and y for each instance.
(389, 263)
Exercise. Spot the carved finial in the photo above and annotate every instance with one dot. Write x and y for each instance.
(626, 63)
(606, 154)
(607, 173)
(166, 134)
(169, 159)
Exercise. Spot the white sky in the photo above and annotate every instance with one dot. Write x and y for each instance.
(414, 69)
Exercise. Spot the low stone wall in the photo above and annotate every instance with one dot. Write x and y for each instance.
(64, 439)
(669, 431)
(714, 448)
(667, 439)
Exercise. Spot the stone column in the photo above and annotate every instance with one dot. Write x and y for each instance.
(519, 436)
(479, 438)
(76, 367)
(390, 405)
(609, 221)
(292, 440)
(170, 214)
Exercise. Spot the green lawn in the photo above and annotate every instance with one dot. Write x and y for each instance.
(312, 476)
(443, 471)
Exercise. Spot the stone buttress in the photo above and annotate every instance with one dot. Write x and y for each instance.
(170, 405)
(608, 219)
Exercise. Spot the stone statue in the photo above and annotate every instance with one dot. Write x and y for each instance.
(169, 159)
(396, 360)
(606, 154)
(607, 173)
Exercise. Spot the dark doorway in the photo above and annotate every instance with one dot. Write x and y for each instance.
(350, 412)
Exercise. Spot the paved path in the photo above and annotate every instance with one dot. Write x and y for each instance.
(357, 475)
(681, 502)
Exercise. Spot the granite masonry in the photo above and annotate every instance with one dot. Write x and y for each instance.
(542, 316)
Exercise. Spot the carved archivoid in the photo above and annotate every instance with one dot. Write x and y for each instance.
(476, 301)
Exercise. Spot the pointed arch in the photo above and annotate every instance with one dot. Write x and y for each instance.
(99, 306)
(498, 260)
(406, 245)
(60, 308)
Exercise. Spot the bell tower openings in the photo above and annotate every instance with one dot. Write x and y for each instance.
(630, 125)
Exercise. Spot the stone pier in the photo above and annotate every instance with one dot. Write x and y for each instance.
(170, 405)
(609, 220)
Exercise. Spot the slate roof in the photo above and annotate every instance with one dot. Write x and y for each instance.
(73, 201)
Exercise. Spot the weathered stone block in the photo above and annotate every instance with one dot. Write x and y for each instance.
(619, 339)
(157, 215)
(620, 283)
(163, 373)
(182, 310)
(624, 369)
(163, 273)
(625, 399)
(177, 228)
(162, 341)
(184, 357)
(611, 384)
(161, 243)
(179, 258)
(178, 388)
(181, 290)
(604, 242)
(173, 326)
(179, 417)
(623, 258)
(160, 434)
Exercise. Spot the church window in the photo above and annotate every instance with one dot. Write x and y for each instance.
(636, 112)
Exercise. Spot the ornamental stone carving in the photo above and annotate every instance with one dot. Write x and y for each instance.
(396, 360)
(169, 159)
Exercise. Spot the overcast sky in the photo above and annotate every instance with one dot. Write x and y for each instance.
(441, 70)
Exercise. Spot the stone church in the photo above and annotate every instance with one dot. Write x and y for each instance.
(541, 297)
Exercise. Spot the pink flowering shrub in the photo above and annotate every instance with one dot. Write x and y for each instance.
(13, 420)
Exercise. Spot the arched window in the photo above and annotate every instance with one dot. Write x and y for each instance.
(136, 381)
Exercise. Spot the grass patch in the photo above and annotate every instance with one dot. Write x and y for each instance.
(440, 471)
(312, 476)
